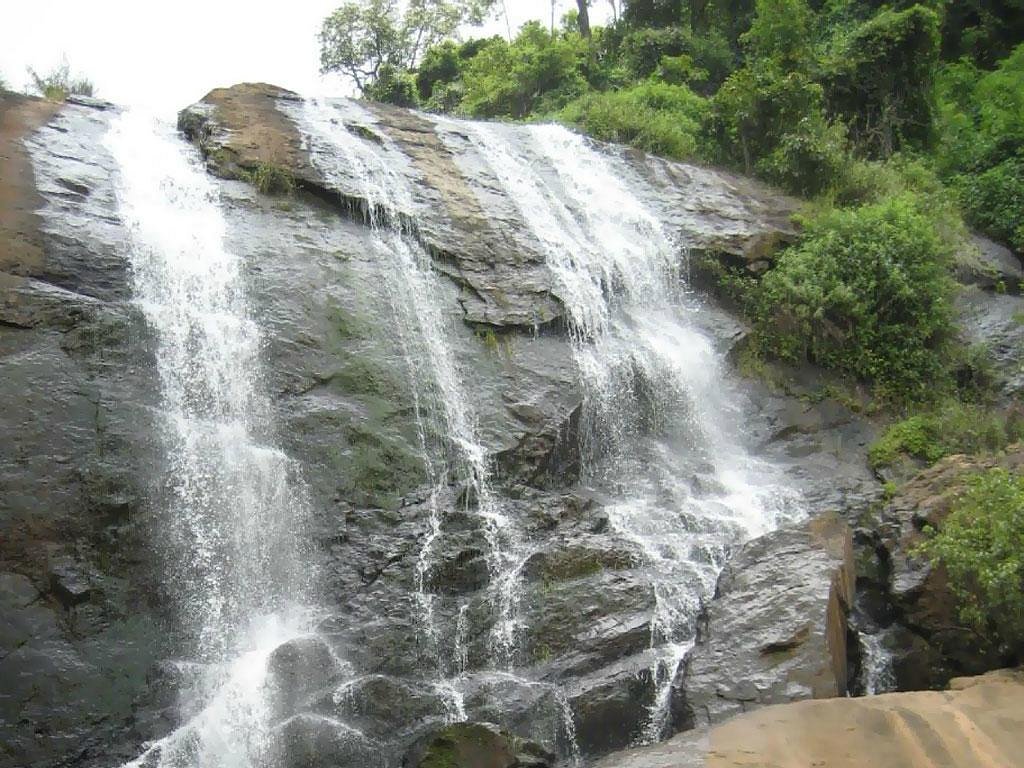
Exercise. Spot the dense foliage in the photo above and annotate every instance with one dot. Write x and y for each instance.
(865, 292)
(981, 545)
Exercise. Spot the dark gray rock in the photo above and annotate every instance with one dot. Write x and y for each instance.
(776, 629)
(476, 745)
(996, 322)
(990, 266)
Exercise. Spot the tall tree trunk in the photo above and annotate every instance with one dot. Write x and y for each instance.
(699, 16)
(584, 18)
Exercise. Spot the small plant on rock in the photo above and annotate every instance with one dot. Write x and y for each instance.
(270, 179)
(58, 84)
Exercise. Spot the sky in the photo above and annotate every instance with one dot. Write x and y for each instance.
(166, 55)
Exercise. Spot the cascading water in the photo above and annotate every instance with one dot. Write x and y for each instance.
(441, 406)
(877, 673)
(659, 421)
(234, 511)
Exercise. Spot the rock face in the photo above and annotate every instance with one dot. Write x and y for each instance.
(81, 632)
(777, 624)
(903, 593)
(89, 648)
(978, 722)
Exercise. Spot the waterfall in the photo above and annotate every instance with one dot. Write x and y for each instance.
(441, 406)
(877, 673)
(661, 427)
(232, 510)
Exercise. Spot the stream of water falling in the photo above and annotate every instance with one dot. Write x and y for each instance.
(233, 510)
(877, 673)
(660, 426)
(441, 405)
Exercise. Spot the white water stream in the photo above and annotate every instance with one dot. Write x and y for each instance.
(661, 427)
(233, 511)
(441, 405)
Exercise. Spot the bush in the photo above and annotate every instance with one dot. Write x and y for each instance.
(981, 546)
(949, 429)
(993, 201)
(772, 121)
(270, 179)
(58, 84)
(644, 51)
(656, 117)
(866, 293)
(393, 86)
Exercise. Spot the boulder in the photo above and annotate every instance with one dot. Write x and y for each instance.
(476, 745)
(776, 628)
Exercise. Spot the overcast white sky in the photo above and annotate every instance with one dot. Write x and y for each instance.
(168, 53)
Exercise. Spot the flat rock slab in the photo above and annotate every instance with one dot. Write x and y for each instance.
(979, 723)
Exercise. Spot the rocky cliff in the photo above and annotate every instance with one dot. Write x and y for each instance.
(94, 655)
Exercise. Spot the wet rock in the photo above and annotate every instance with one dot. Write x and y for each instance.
(239, 129)
(476, 745)
(297, 669)
(990, 266)
(776, 629)
(930, 644)
(70, 583)
(994, 321)
(311, 741)
(387, 708)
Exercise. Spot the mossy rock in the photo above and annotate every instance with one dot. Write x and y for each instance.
(477, 745)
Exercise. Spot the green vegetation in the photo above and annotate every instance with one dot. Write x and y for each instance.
(981, 545)
(982, 143)
(270, 179)
(864, 293)
(59, 83)
(950, 428)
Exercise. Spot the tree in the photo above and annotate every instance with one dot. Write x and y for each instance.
(880, 80)
(584, 17)
(652, 13)
(363, 38)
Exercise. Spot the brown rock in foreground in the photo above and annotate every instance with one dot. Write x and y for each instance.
(20, 248)
(979, 723)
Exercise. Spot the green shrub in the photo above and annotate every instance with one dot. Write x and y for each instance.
(393, 86)
(441, 65)
(981, 125)
(270, 179)
(58, 84)
(656, 117)
(772, 122)
(643, 53)
(951, 428)
(993, 201)
(866, 292)
(981, 546)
